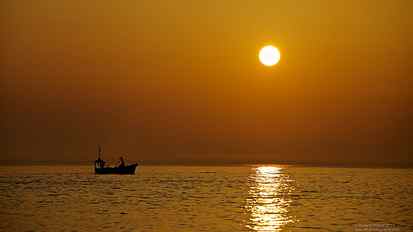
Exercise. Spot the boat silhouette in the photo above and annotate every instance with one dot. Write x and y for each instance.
(121, 169)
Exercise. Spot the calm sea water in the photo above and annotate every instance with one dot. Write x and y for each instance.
(206, 198)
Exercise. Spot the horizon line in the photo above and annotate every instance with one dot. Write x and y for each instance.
(222, 163)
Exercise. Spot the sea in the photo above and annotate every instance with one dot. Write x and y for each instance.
(206, 198)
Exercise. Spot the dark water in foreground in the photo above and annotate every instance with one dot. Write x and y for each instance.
(207, 198)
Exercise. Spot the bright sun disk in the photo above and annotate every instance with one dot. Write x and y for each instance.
(269, 55)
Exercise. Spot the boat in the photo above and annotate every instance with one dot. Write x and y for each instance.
(128, 169)
(121, 169)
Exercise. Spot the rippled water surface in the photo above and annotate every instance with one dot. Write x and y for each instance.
(206, 198)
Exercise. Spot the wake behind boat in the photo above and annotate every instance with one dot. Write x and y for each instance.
(120, 169)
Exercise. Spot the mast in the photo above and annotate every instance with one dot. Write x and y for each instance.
(99, 151)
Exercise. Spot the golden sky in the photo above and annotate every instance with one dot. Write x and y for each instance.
(180, 80)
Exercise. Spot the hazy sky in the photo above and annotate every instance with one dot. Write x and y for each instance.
(180, 80)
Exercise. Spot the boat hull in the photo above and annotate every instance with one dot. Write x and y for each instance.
(128, 170)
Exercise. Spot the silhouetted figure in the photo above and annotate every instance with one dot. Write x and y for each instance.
(100, 163)
(122, 162)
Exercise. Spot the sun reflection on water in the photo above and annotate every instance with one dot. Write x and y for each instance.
(267, 202)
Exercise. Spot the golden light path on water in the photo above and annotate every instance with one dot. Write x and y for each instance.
(268, 202)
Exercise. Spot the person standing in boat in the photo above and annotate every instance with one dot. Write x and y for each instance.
(121, 162)
(100, 163)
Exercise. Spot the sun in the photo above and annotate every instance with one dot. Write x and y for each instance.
(269, 55)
